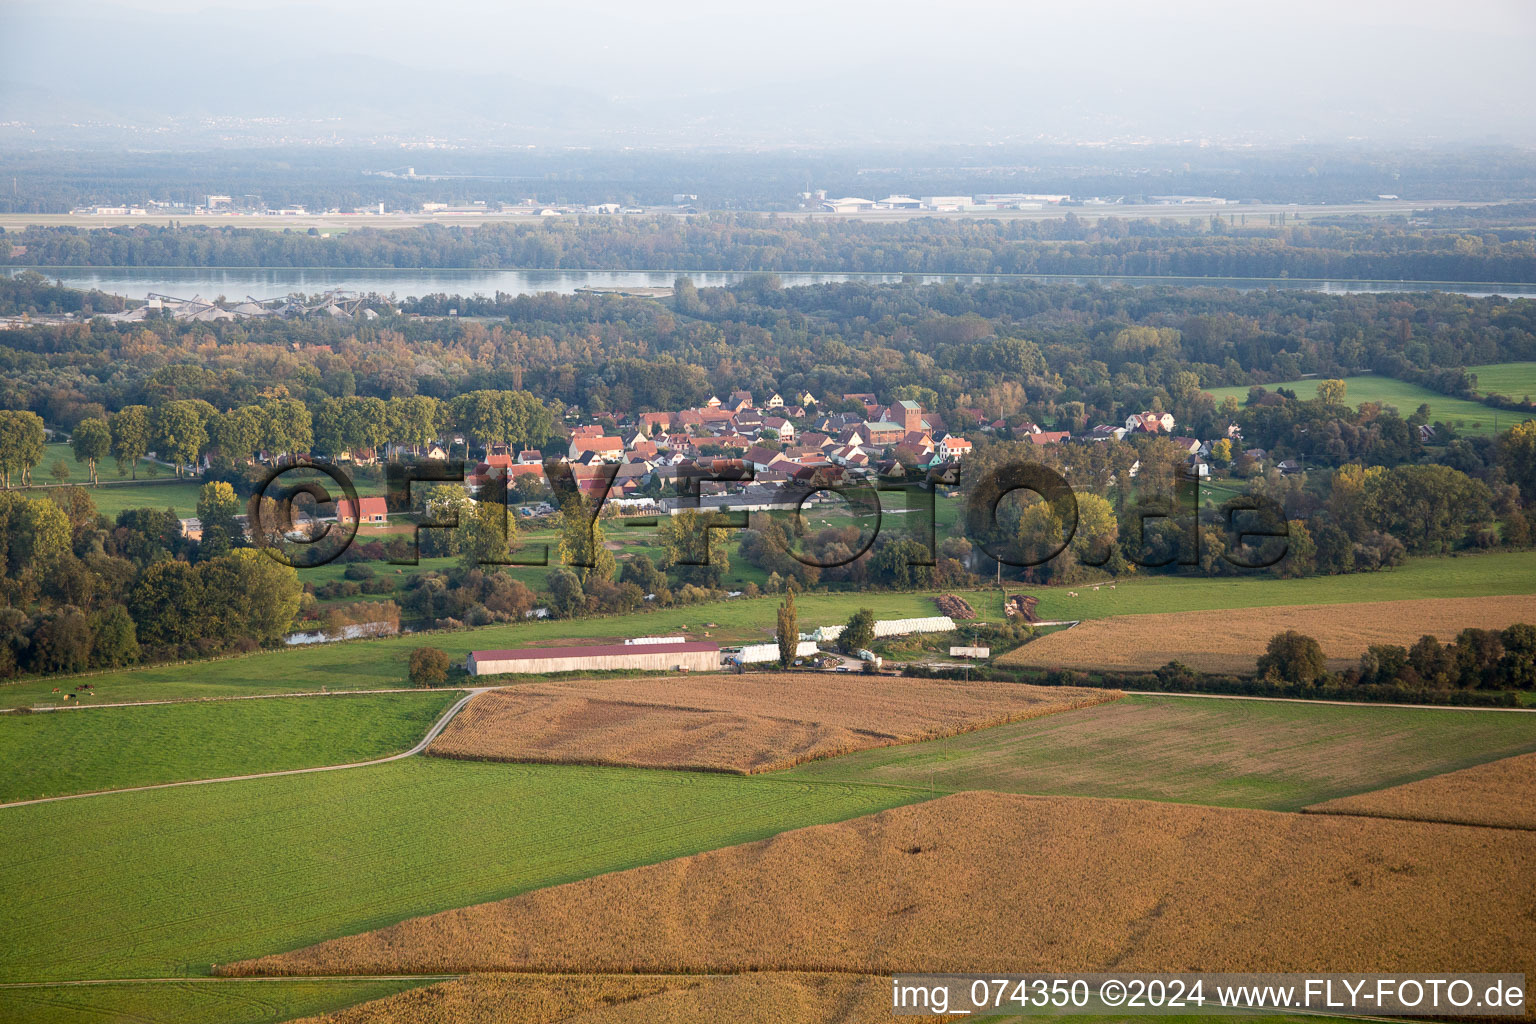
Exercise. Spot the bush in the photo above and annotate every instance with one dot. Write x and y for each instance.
(429, 666)
(358, 571)
(859, 632)
(1293, 657)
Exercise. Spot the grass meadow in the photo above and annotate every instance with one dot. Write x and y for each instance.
(1466, 416)
(1231, 753)
(80, 750)
(166, 882)
(234, 1001)
(111, 499)
(1513, 380)
(155, 487)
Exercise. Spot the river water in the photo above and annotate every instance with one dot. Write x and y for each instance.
(274, 282)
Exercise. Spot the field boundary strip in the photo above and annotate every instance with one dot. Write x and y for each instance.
(432, 734)
(1383, 816)
(1309, 700)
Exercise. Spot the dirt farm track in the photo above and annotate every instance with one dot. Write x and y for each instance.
(1222, 640)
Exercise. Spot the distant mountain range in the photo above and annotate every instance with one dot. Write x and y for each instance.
(83, 68)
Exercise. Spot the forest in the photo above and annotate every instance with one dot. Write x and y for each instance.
(1221, 245)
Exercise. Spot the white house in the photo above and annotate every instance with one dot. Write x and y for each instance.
(782, 426)
(953, 449)
(1149, 422)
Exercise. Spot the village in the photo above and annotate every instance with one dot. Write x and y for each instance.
(761, 454)
(745, 454)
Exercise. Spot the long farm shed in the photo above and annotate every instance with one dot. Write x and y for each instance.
(696, 656)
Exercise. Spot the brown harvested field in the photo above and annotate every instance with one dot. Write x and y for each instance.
(504, 999)
(734, 723)
(1002, 882)
(1231, 640)
(1500, 793)
(767, 998)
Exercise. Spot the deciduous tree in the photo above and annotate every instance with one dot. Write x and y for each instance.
(1293, 657)
(787, 631)
(131, 437)
(92, 442)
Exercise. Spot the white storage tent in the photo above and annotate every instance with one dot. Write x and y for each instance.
(895, 627)
(753, 654)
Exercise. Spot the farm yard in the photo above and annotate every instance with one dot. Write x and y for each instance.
(745, 724)
(1232, 641)
(372, 664)
(1497, 794)
(941, 887)
(381, 663)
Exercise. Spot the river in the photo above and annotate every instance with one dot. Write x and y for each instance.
(236, 283)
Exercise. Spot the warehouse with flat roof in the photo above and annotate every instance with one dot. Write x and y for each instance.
(671, 656)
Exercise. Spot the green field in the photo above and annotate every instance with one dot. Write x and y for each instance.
(79, 750)
(156, 486)
(228, 1001)
(1232, 753)
(1513, 380)
(106, 469)
(110, 499)
(1467, 417)
(165, 882)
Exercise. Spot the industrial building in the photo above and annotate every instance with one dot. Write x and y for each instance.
(947, 202)
(672, 656)
(849, 204)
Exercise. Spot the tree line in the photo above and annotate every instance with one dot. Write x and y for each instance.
(184, 431)
(81, 591)
(1212, 247)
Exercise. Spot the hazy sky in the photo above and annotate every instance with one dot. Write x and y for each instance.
(1333, 68)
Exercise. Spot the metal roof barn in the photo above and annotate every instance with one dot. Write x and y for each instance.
(689, 656)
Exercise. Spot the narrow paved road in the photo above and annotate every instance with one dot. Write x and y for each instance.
(432, 734)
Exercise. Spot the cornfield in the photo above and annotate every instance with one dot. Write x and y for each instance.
(742, 724)
(1231, 640)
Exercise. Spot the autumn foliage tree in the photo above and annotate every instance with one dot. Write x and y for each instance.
(429, 666)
